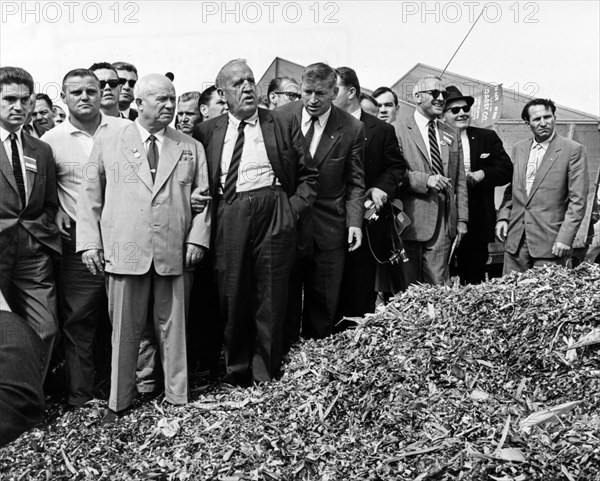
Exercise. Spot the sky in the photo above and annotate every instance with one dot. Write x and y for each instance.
(542, 48)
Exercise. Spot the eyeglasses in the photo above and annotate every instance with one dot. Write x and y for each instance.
(436, 93)
(124, 81)
(112, 83)
(455, 110)
(290, 95)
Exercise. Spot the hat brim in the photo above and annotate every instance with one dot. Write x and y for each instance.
(467, 98)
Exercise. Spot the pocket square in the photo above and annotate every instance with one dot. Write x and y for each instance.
(484, 156)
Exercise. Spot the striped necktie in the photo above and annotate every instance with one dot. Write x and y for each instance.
(436, 157)
(16, 163)
(232, 172)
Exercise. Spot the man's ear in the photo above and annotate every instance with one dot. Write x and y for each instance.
(204, 111)
(272, 97)
(351, 93)
(138, 103)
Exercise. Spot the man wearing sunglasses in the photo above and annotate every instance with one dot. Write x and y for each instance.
(487, 165)
(128, 77)
(435, 195)
(281, 91)
(110, 87)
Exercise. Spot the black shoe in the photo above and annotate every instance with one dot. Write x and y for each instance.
(111, 417)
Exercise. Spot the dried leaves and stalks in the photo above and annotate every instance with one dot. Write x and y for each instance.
(499, 381)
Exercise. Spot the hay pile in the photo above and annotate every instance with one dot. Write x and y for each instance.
(444, 384)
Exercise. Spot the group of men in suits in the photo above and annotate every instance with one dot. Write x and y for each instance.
(273, 199)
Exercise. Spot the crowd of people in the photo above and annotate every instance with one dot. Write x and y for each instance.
(255, 221)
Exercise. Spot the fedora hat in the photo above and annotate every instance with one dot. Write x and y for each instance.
(456, 94)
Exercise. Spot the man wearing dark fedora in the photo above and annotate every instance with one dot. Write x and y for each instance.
(487, 165)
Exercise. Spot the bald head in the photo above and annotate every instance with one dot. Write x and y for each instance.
(235, 83)
(156, 100)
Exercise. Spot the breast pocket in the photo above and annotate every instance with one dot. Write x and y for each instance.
(185, 171)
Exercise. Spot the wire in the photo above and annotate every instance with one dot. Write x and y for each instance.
(461, 43)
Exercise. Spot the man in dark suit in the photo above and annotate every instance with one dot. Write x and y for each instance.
(384, 169)
(261, 184)
(487, 166)
(28, 204)
(435, 194)
(336, 142)
(128, 77)
(545, 203)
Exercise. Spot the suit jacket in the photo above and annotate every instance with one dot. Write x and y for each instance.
(384, 165)
(285, 149)
(341, 193)
(138, 221)
(488, 155)
(420, 202)
(133, 114)
(555, 206)
(38, 215)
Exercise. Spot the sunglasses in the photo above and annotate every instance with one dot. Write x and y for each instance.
(436, 93)
(124, 81)
(290, 95)
(112, 83)
(455, 110)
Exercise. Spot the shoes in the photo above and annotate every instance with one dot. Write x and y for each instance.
(111, 417)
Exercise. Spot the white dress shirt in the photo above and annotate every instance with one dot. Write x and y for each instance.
(423, 124)
(536, 154)
(319, 127)
(464, 138)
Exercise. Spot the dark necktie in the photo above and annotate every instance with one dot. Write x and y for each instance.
(234, 165)
(436, 158)
(16, 162)
(153, 156)
(311, 131)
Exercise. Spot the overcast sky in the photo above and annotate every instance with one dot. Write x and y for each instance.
(542, 48)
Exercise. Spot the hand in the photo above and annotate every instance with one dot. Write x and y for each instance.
(475, 177)
(63, 222)
(438, 182)
(559, 249)
(461, 230)
(378, 196)
(193, 254)
(501, 230)
(354, 238)
(200, 200)
(93, 260)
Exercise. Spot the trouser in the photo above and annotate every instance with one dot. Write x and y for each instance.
(316, 279)
(128, 303)
(255, 245)
(471, 257)
(428, 261)
(82, 305)
(27, 283)
(522, 260)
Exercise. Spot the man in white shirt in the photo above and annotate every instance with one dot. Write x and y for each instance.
(82, 296)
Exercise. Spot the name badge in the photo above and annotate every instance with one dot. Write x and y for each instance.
(187, 156)
(446, 137)
(30, 164)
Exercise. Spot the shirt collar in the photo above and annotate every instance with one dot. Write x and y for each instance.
(144, 134)
(235, 122)
(4, 134)
(422, 121)
(71, 129)
(356, 113)
(545, 143)
(322, 118)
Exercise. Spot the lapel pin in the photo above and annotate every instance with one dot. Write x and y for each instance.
(443, 143)
(136, 154)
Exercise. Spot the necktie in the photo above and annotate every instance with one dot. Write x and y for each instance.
(234, 165)
(28, 128)
(153, 156)
(311, 131)
(532, 166)
(16, 163)
(436, 157)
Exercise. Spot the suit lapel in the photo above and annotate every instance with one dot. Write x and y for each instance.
(6, 169)
(369, 129)
(474, 150)
(167, 161)
(133, 150)
(267, 128)
(546, 164)
(445, 147)
(218, 138)
(415, 134)
(29, 150)
(331, 135)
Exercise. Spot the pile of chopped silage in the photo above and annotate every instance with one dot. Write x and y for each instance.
(499, 381)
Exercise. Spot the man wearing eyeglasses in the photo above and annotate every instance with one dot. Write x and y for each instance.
(487, 165)
(110, 87)
(128, 77)
(281, 91)
(435, 196)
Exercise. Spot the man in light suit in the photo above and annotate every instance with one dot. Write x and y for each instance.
(261, 184)
(336, 141)
(487, 165)
(135, 221)
(28, 204)
(435, 195)
(545, 203)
